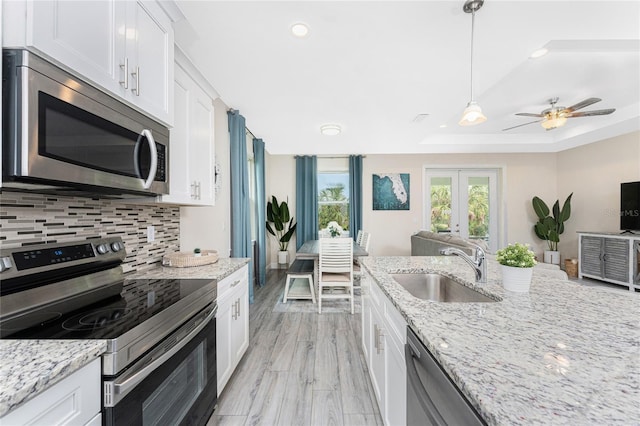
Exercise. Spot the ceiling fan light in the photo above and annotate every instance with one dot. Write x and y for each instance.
(472, 115)
(553, 122)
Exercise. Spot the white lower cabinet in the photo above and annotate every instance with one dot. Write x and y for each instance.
(383, 338)
(75, 400)
(232, 324)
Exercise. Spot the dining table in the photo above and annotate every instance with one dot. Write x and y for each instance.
(310, 250)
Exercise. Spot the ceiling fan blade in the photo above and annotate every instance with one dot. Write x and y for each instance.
(589, 113)
(520, 125)
(528, 114)
(582, 104)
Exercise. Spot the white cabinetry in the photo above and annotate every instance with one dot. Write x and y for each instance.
(75, 400)
(232, 324)
(124, 47)
(192, 149)
(610, 257)
(384, 334)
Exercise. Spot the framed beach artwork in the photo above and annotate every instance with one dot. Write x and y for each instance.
(391, 191)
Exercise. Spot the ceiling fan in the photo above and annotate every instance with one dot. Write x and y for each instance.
(557, 116)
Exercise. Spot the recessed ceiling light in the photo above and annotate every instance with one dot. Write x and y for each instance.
(330, 129)
(442, 126)
(300, 30)
(539, 53)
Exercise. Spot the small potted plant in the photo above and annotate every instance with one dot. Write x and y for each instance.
(197, 252)
(548, 228)
(335, 230)
(517, 262)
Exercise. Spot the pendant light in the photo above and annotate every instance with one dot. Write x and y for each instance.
(472, 114)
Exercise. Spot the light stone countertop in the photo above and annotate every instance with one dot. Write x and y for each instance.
(561, 354)
(214, 271)
(28, 367)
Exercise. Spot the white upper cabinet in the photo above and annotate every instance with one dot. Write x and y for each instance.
(192, 147)
(125, 47)
(148, 39)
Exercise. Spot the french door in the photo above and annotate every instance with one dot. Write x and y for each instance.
(463, 202)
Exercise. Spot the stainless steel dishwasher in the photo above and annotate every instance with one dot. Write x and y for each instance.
(432, 398)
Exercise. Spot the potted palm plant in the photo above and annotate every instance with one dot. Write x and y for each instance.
(280, 224)
(548, 228)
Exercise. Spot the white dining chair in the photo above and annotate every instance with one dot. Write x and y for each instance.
(359, 237)
(365, 240)
(335, 270)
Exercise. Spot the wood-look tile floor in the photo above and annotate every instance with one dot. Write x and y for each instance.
(300, 369)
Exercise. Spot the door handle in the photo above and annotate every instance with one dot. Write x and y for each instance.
(153, 168)
(136, 74)
(125, 67)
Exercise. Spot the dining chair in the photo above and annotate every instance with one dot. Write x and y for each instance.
(359, 237)
(366, 239)
(335, 270)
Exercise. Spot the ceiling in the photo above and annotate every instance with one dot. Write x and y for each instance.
(374, 66)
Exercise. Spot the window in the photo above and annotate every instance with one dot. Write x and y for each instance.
(333, 192)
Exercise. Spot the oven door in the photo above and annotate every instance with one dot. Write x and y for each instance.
(174, 384)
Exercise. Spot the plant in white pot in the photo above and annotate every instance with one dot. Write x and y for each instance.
(280, 224)
(549, 228)
(517, 262)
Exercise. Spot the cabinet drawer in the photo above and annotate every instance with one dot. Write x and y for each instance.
(231, 282)
(75, 400)
(377, 296)
(396, 325)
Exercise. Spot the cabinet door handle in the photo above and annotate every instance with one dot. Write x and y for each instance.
(136, 74)
(380, 340)
(193, 190)
(125, 67)
(234, 314)
(375, 337)
(198, 190)
(238, 309)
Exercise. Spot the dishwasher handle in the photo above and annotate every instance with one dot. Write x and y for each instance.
(416, 384)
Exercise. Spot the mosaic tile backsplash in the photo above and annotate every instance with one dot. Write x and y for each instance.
(36, 218)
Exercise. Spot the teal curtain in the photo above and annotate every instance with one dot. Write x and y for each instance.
(355, 195)
(240, 214)
(306, 199)
(261, 211)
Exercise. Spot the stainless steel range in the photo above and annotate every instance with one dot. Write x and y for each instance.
(160, 364)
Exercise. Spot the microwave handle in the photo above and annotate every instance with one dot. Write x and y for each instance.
(154, 158)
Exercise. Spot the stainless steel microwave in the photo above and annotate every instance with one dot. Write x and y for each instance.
(62, 135)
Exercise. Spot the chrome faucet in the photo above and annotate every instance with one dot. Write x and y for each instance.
(478, 262)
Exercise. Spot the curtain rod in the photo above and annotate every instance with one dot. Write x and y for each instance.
(329, 156)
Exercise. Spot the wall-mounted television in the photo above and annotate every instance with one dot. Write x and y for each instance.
(630, 206)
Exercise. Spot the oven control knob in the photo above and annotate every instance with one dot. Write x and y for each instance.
(116, 247)
(5, 263)
(102, 248)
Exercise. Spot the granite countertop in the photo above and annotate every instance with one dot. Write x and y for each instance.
(561, 354)
(214, 271)
(28, 367)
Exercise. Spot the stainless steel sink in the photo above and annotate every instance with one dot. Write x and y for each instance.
(438, 288)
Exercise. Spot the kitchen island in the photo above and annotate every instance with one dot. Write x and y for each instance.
(560, 354)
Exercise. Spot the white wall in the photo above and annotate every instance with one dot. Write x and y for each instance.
(592, 172)
(280, 181)
(209, 227)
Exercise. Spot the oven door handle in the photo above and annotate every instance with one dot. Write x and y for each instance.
(133, 378)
